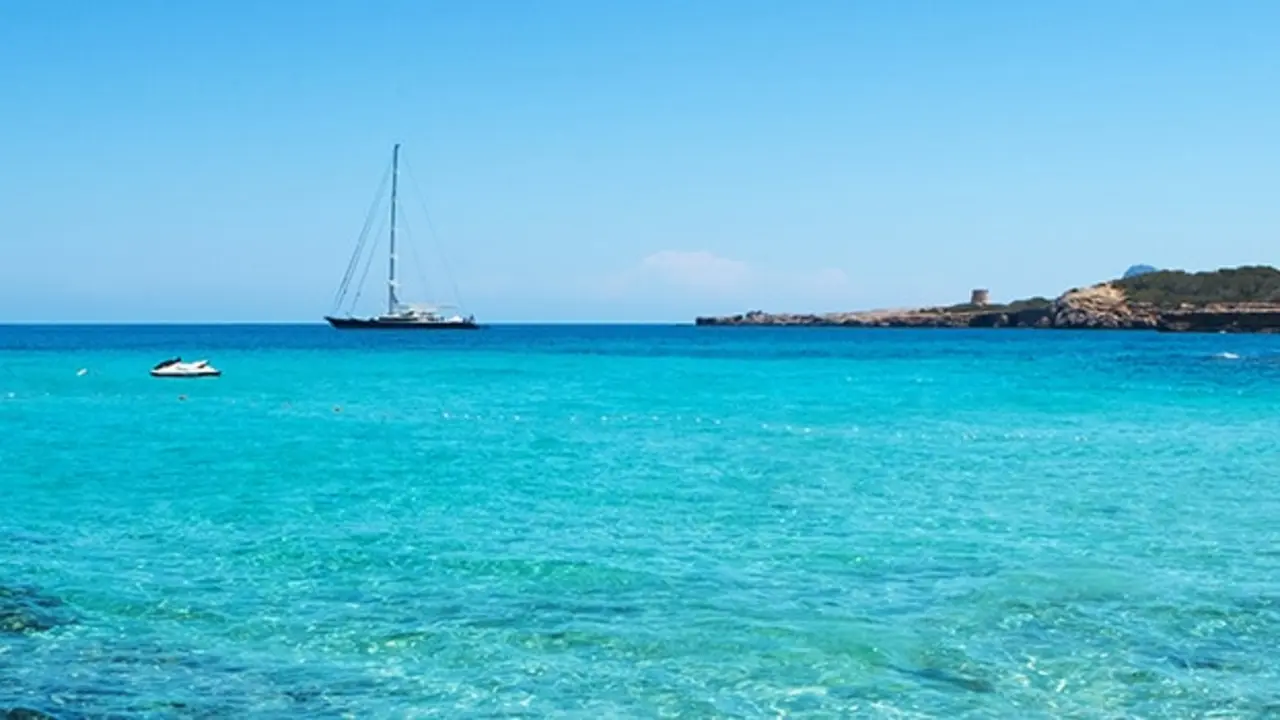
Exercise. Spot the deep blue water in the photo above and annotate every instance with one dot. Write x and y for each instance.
(638, 522)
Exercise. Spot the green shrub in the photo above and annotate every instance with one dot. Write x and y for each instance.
(1170, 288)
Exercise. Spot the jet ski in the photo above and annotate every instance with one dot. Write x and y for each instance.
(174, 367)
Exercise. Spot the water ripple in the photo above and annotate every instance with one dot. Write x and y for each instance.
(637, 523)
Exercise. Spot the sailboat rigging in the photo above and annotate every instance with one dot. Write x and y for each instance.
(399, 315)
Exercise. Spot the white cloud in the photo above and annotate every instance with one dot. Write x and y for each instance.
(825, 280)
(713, 280)
(697, 270)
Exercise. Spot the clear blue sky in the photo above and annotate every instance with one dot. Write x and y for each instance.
(590, 160)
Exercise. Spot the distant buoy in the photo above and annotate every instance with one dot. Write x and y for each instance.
(182, 397)
(337, 408)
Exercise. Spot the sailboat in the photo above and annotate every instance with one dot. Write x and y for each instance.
(399, 315)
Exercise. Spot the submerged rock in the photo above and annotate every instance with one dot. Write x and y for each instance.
(26, 610)
(21, 713)
(947, 677)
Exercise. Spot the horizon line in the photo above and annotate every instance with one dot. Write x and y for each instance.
(288, 323)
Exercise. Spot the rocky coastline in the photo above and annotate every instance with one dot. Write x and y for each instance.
(1115, 305)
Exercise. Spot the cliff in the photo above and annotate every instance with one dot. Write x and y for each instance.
(1230, 300)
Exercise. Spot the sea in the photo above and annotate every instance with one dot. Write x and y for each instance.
(639, 522)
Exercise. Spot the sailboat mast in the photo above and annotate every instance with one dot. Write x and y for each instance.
(392, 300)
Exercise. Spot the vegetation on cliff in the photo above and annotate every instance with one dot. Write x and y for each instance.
(1175, 288)
(1244, 299)
(1171, 290)
(1035, 303)
(1163, 289)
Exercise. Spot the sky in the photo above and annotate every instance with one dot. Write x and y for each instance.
(588, 161)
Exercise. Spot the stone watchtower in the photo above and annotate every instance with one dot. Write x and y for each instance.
(980, 297)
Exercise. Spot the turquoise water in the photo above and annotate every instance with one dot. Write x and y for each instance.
(640, 522)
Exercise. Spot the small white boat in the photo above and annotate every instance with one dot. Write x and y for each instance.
(174, 367)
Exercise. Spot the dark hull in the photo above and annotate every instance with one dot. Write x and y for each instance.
(374, 324)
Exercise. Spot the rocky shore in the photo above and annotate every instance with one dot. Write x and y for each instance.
(1117, 305)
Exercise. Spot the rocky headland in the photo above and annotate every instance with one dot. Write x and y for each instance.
(1245, 299)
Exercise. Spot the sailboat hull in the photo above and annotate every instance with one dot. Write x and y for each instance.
(382, 324)
(399, 316)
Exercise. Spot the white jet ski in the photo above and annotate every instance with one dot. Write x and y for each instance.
(174, 367)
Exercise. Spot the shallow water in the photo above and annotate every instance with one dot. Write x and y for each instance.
(639, 522)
